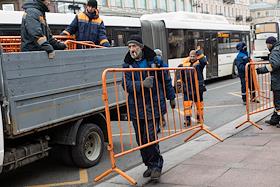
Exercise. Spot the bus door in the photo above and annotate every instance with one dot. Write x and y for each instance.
(211, 52)
(154, 36)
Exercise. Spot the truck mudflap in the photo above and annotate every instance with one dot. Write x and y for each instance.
(25, 154)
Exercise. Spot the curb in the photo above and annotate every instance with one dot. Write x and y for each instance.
(175, 156)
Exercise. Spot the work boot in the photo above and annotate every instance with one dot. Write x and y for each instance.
(271, 122)
(147, 173)
(155, 174)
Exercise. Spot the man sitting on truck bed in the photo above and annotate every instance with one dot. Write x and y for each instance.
(35, 32)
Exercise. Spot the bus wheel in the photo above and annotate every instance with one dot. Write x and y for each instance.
(234, 73)
(89, 146)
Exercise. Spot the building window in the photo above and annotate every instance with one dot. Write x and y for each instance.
(181, 6)
(259, 14)
(154, 4)
(143, 4)
(130, 3)
(118, 3)
(163, 5)
(104, 3)
(173, 5)
(8, 7)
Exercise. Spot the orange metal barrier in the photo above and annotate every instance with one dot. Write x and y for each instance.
(12, 43)
(72, 44)
(148, 110)
(258, 94)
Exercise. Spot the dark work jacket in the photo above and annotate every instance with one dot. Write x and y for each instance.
(88, 27)
(188, 77)
(241, 60)
(34, 28)
(149, 58)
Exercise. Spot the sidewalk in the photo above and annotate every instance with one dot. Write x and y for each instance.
(248, 157)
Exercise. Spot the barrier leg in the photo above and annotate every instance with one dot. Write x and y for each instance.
(251, 122)
(124, 175)
(207, 131)
(98, 178)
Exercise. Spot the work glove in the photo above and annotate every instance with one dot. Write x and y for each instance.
(148, 82)
(49, 49)
(61, 46)
(262, 70)
(172, 103)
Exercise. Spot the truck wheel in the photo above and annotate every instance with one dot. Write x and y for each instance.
(89, 146)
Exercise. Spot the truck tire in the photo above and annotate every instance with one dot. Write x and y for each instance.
(89, 146)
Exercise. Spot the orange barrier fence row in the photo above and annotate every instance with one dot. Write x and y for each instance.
(150, 118)
(12, 43)
(259, 97)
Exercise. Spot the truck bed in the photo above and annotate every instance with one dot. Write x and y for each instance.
(42, 92)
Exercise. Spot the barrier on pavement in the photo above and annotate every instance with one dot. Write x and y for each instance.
(258, 93)
(146, 109)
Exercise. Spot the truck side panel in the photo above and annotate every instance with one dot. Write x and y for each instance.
(42, 92)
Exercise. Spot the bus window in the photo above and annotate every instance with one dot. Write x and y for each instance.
(223, 42)
(176, 42)
(195, 39)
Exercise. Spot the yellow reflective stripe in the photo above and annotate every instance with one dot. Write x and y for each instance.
(268, 67)
(103, 41)
(83, 17)
(42, 40)
(66, 32)
(98, 21)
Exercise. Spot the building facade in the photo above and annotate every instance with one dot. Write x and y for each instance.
(236, 11)
(265, 10)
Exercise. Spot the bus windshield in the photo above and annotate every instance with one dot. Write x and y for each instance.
(266, 28)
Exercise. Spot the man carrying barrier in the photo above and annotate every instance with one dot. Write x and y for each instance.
(140, 56)
(35, 32)
(88, 26)
(197, 60)
(274, 69)
(147, 85)
(241, 60)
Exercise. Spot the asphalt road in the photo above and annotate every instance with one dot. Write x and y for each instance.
(222, 105)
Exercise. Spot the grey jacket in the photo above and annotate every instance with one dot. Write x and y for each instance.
(273, 67)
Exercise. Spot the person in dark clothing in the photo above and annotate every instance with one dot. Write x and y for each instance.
(197, 60)
(141, 56)
(88, 26)
(274, 69)
(35, 32)
(241, 60)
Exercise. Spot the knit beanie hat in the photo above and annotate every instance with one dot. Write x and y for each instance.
(271, 40)
(136, 39)
(92, 3)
